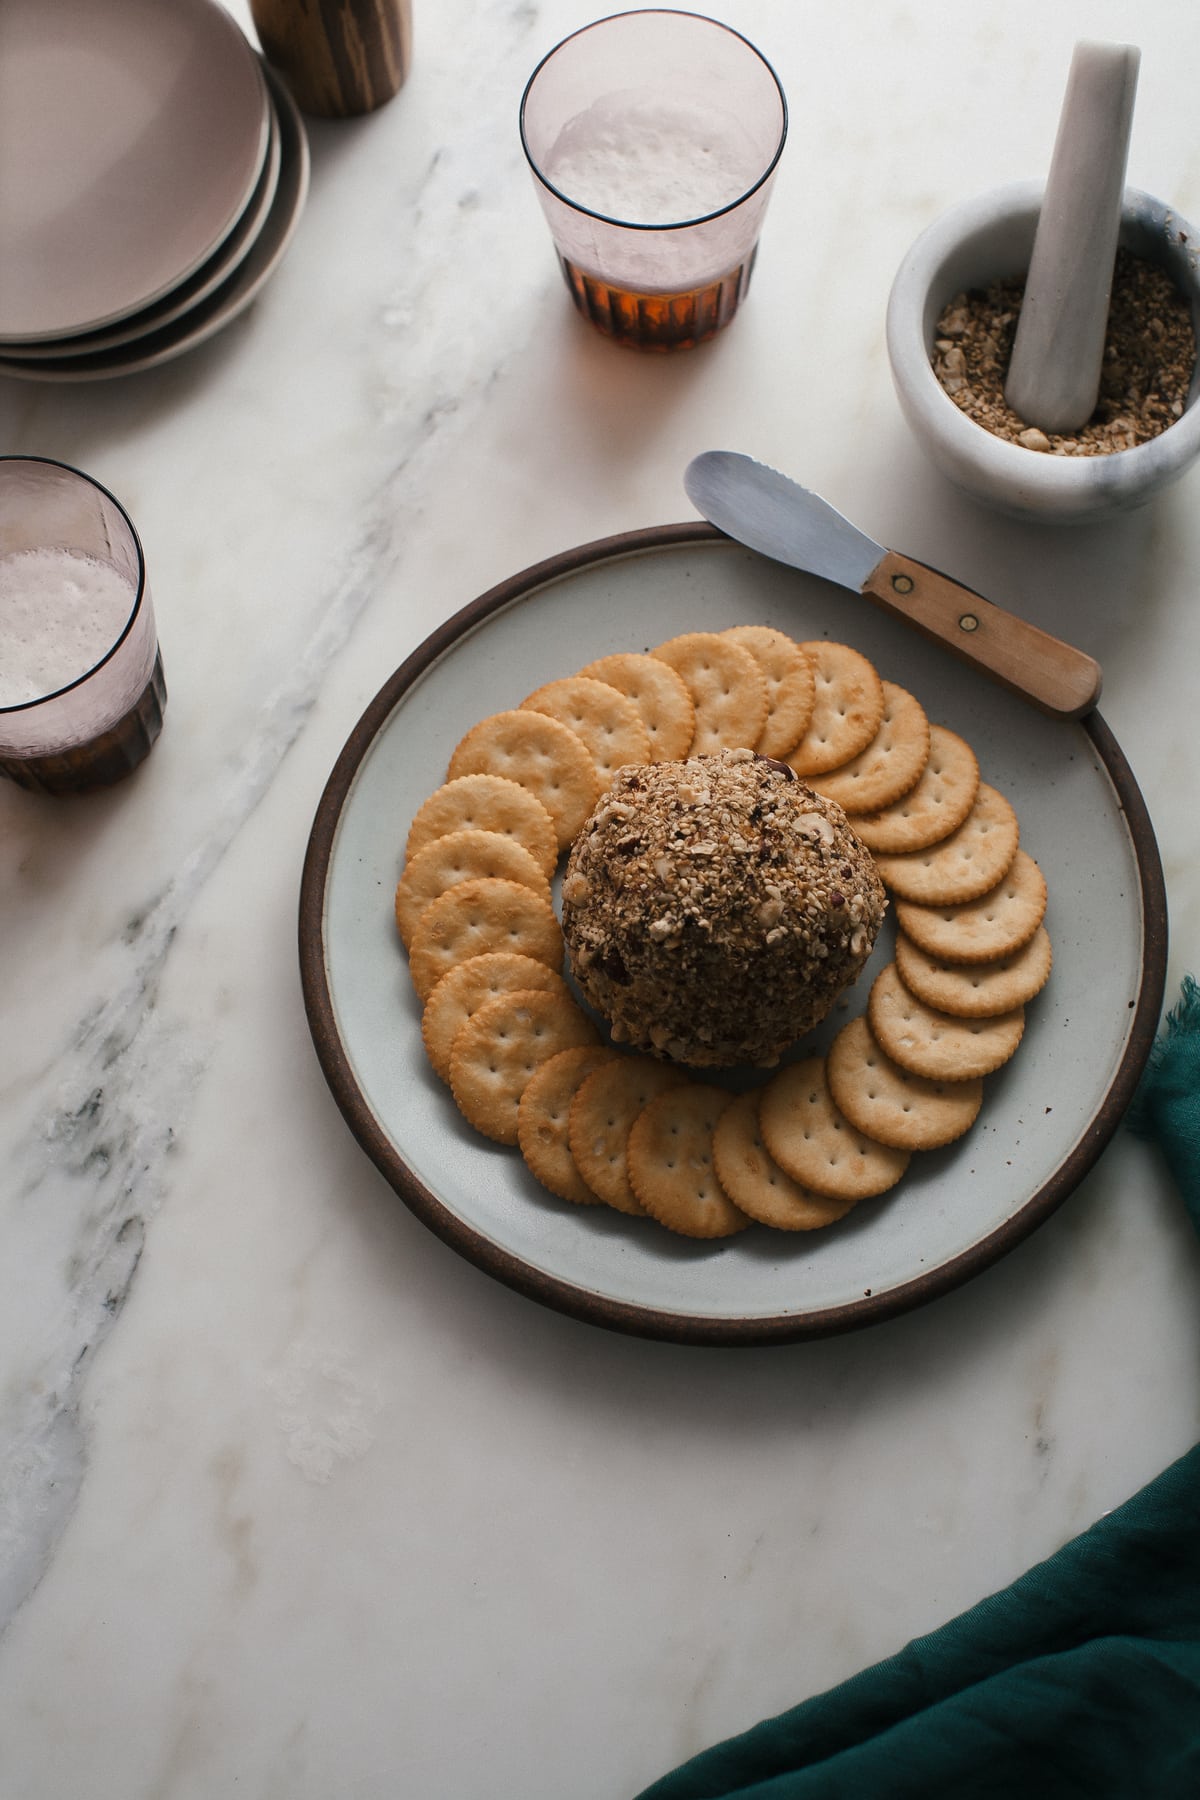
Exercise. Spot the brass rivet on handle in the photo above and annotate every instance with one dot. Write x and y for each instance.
(968, 622)
(903, 584)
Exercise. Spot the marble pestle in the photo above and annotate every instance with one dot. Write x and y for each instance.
(1054, 375)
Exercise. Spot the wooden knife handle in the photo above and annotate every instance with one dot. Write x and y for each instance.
(1056, 677)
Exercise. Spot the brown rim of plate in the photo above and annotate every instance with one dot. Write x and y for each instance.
(598, 1309)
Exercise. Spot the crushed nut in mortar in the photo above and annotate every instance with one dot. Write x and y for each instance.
(1149, 356)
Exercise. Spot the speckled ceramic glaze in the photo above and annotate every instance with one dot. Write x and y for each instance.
(954, 1214)
(984, 240)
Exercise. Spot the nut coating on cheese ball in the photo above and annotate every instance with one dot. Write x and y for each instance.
(714, 909)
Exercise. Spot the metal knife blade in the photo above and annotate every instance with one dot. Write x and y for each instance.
(777, 517)
(768, 512)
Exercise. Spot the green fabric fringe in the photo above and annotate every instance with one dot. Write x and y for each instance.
(1182, 1022)
(1166, 1106)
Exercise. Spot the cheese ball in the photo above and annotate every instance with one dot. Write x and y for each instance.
(714, 909)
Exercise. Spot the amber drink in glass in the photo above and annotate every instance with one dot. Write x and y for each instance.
(653, 138)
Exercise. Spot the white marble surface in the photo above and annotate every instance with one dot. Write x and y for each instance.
(293, 1500)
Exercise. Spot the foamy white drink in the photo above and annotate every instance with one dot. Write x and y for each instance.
(59, 614)
(650, 163)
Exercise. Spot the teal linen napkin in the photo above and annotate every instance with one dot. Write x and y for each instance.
(1081, 1681)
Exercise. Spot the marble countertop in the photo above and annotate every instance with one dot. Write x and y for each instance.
(294, 1500)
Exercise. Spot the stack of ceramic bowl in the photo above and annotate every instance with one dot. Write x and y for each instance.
(154, 173)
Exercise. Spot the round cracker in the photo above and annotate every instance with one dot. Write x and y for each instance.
(669, 1158)
(602, 1112)
(814, 1143)
(983, 930)
(543, 1117)
(499, 1048)
(728, 689)
(755, 1182)
(976, 990)
(892, 762)
(791, 685)
(966, 864)
(604, 720)
(463, 989)
(890, 1103)
(462, 856)
(847, 708)
(934, 807)
(935, 1044)
(475, 917)
(486, 803)
(539, 753)
(660, 695)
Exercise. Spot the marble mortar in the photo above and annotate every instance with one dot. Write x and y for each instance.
(990, 238)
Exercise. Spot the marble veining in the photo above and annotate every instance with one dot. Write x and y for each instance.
(293, 1500)
(90, 1174)
(93, 1160)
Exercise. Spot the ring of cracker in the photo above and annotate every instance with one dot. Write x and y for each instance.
(814, 1143)
(934, 807)
(889, 1103)
(892, 762)
(486, 803)
(847, 708)
(935, 1044)
(660, 695)
(966, 864)
(791, 685)
(476, 916)
(463, 989)
(755, 1182)
(604, 720)
(996, 924)
(728, 689)
(544, 1114)
(669, 1158)
(499, 1048)
(602, 1112)
(462, 856)
(539, 753)
(525, 1062)
(976, 990)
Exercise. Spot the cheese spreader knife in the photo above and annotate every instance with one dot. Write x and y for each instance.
(769, 513)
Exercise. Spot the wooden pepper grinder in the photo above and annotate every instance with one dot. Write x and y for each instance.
(338, 57)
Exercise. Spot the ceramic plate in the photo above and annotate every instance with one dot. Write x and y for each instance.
(210, 276)
(1046, 1116)
(134, 134)
(231, 297)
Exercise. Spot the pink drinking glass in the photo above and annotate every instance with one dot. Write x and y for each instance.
(654, 137)
(81, 679)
